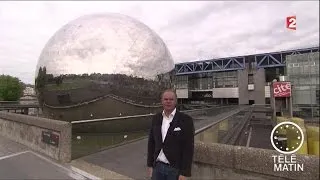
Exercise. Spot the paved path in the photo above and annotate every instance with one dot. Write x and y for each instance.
(8, 147)
(19, 162)
(130, 159)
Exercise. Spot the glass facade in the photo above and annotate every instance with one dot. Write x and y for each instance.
(303, 72)
(182, 82)
(203, 81)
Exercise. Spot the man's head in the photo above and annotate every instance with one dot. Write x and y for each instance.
(169, 100)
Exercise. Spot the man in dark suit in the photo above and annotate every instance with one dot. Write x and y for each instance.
(171, 142)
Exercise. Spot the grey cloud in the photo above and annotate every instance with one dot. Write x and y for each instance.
(195, 17)
(260, 39)
(209, 29)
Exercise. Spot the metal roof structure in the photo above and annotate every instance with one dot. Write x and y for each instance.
(265, 60)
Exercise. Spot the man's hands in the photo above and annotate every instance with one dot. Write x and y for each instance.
(150, 171)
(182, 177)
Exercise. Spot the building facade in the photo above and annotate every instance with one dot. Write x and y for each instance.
(242, 79)
(303, 72)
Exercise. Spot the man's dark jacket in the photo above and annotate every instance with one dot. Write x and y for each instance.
(178, 146)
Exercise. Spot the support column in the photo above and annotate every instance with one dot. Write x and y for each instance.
(243, 86)
(272, 101)
(290, 106)
(259, 84)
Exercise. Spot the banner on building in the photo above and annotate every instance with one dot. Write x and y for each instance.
(281, 89)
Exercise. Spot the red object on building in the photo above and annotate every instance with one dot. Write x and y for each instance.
(281, 89)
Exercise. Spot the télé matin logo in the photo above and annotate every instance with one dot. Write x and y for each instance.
(291, 22)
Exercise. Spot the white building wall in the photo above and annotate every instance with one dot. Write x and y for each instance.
(267, 91)
(182, 93)
(225, 92)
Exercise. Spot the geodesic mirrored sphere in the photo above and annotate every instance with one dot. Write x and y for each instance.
(103, 65)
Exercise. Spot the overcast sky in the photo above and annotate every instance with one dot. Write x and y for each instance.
(191, 30)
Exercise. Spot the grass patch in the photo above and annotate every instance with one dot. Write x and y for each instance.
(92, 142)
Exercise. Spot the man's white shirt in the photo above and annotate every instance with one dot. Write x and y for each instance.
(164, 129)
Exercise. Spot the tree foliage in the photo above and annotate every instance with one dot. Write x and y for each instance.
(40, 81)
(11, 88)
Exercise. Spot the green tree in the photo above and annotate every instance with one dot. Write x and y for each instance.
(11, 88)
(41, 79)
(40, 83)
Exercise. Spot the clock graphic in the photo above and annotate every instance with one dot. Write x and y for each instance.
(289, 143)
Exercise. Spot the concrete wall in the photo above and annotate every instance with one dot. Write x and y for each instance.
(258, 94)
(251, 95)
(27, 130)
(220, 161)
(243, 86)
(259, 86)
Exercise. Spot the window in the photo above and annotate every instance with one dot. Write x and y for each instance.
(182, 82)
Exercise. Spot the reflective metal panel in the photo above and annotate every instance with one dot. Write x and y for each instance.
(100, 61)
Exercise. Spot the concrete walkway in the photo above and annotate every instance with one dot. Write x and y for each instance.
(129, 161)
(8, 147)
(19, 162)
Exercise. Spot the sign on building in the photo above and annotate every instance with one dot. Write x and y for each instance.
(49, 137)
(281, 89)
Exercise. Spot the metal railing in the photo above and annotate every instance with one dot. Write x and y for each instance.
(198, 131)
(118, 98)
(93, 135)
(143, 115)
(236, 122)
(110, 119)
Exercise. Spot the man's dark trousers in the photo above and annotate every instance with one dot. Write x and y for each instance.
(164, 172)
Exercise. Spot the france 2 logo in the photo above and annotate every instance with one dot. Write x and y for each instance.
(291, 22)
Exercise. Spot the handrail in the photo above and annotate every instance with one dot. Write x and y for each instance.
(19, 106)
(100, 98)
(110, 119)
(9, 102)
(232, 138)
(217, 122)
(261, 105)
(133, 116)
(220, 120)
